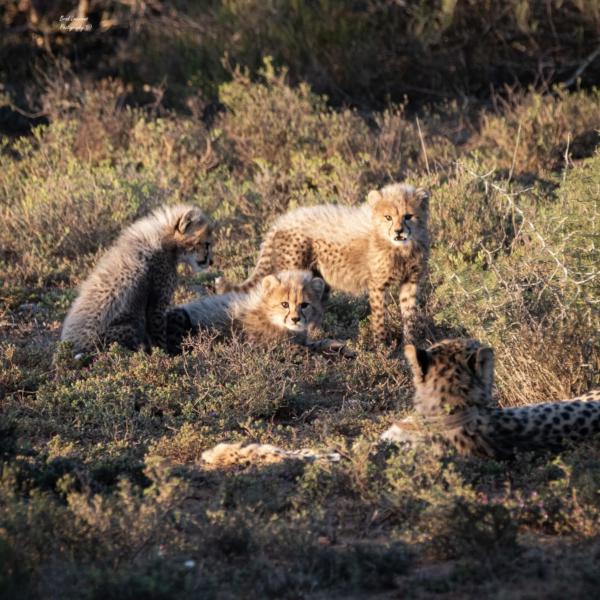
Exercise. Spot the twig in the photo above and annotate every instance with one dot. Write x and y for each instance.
(29, 115)
(514, 158)
(509, 198)
(582, 67)
(566, 156)
(423, 146)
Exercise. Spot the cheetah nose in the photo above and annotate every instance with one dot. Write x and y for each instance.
(296, 319)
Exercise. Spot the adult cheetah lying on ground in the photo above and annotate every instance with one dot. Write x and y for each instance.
(356, 249)
(283, 306)
(453, 385)
(125, 297)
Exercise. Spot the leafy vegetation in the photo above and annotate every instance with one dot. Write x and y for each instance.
(102, 491)
(359, 53)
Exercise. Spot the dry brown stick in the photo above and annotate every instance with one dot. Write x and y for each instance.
(423, 146)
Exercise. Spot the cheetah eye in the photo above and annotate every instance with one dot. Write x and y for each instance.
(285, 304)
(388, 218)
(304, 305)
(408, 217)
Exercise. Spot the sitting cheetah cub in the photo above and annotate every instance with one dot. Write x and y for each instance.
(125, 297)
(356, 249)
(282, 306)
(453, 386)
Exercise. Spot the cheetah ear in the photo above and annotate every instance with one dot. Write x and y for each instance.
(269, 282)
(422, 195)
(190, 217)
(373, 197)
(484, 366)
(317, 285)
(418, 360)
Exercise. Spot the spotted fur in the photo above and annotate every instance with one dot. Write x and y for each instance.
(231, 454)
(356, 249)
(283, 306)
(453, 398)
(125, 297)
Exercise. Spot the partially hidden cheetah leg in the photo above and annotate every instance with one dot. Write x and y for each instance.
(157, 327)
(178, 326)
(127, 336)
(377, 303)
(408, 308)
(330, 347)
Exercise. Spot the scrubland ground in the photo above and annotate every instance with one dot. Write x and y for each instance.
(102, 493)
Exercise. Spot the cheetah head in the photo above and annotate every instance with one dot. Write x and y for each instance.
(193, 235)
(400, 213)
(293, 299)
(451, 375)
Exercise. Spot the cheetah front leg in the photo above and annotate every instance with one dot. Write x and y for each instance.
(157, 326)
(156, 318)
(127, 335)
(408, 308)
(377, 304)
(162, 286)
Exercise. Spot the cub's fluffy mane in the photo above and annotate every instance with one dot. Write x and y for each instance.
(132, 249)
(395, 189)
(337, 222)
(152, 229)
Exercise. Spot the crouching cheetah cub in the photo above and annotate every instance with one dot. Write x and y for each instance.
(453, 385)
(125, 297)
(282, 306)
(356, 249)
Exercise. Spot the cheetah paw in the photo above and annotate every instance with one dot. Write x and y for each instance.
(220, 285)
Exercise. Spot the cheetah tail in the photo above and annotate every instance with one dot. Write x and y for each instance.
(264, 267)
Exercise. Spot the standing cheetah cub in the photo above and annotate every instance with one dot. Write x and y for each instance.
(356, 249)
(453, 387)
(282, 306)
(125, 297)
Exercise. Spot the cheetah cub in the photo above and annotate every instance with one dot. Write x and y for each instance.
(125, 297)
(282, 306)
(453, 387)
(356, 249)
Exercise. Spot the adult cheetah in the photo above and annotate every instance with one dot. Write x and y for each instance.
(453, 385)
